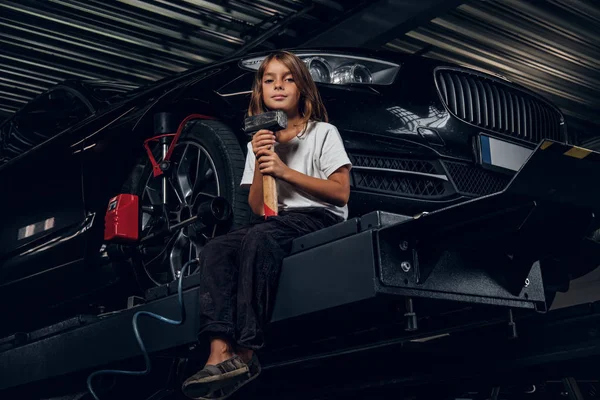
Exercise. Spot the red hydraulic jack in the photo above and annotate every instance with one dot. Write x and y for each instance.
(122, 219)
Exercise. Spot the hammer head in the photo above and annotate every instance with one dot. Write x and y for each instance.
(271, 120)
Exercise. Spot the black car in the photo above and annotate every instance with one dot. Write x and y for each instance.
(421, 134)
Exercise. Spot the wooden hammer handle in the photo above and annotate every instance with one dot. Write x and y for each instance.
(270, 195)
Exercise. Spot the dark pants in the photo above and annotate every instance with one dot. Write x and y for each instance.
(240, 273)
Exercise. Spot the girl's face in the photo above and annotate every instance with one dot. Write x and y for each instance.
(279, 89)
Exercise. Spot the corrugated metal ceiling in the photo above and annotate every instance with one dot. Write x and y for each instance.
(43, 42)
(552, 47)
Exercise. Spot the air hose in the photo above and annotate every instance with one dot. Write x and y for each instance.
(138, 337)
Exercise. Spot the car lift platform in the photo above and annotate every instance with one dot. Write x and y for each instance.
(490, 251)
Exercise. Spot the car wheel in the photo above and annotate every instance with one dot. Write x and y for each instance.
(207, 163)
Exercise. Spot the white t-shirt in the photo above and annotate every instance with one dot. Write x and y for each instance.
(318, 152)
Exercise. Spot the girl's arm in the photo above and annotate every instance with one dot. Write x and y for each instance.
(335, 189)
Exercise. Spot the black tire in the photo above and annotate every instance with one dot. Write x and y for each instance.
(211, 138)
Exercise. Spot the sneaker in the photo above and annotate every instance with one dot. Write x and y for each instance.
(214, 377)
(234, 384)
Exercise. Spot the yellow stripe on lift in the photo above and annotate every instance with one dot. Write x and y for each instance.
(578, 152)
(546, 144)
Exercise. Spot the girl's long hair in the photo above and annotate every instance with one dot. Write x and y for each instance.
(310, 105)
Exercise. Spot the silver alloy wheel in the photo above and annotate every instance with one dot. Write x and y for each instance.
(193, 180)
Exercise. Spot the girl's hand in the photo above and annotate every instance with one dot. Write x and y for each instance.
(262, 139)
(269, 163)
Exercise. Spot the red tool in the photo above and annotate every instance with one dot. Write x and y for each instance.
(156, 170)
(122, 219)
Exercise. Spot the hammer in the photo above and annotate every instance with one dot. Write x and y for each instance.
(273, 121)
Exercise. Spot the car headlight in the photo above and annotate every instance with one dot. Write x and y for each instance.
(353, 73)
(341, 69)
(319, 68)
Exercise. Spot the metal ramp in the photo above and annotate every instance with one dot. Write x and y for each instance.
(488, 251)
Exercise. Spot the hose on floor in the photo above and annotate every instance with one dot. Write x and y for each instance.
(138, 337)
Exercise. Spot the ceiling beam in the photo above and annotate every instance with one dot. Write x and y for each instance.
(380, 22)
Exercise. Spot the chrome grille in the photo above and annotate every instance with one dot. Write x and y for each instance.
(495, 105)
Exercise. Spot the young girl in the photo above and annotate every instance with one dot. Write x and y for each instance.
(240, 270)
